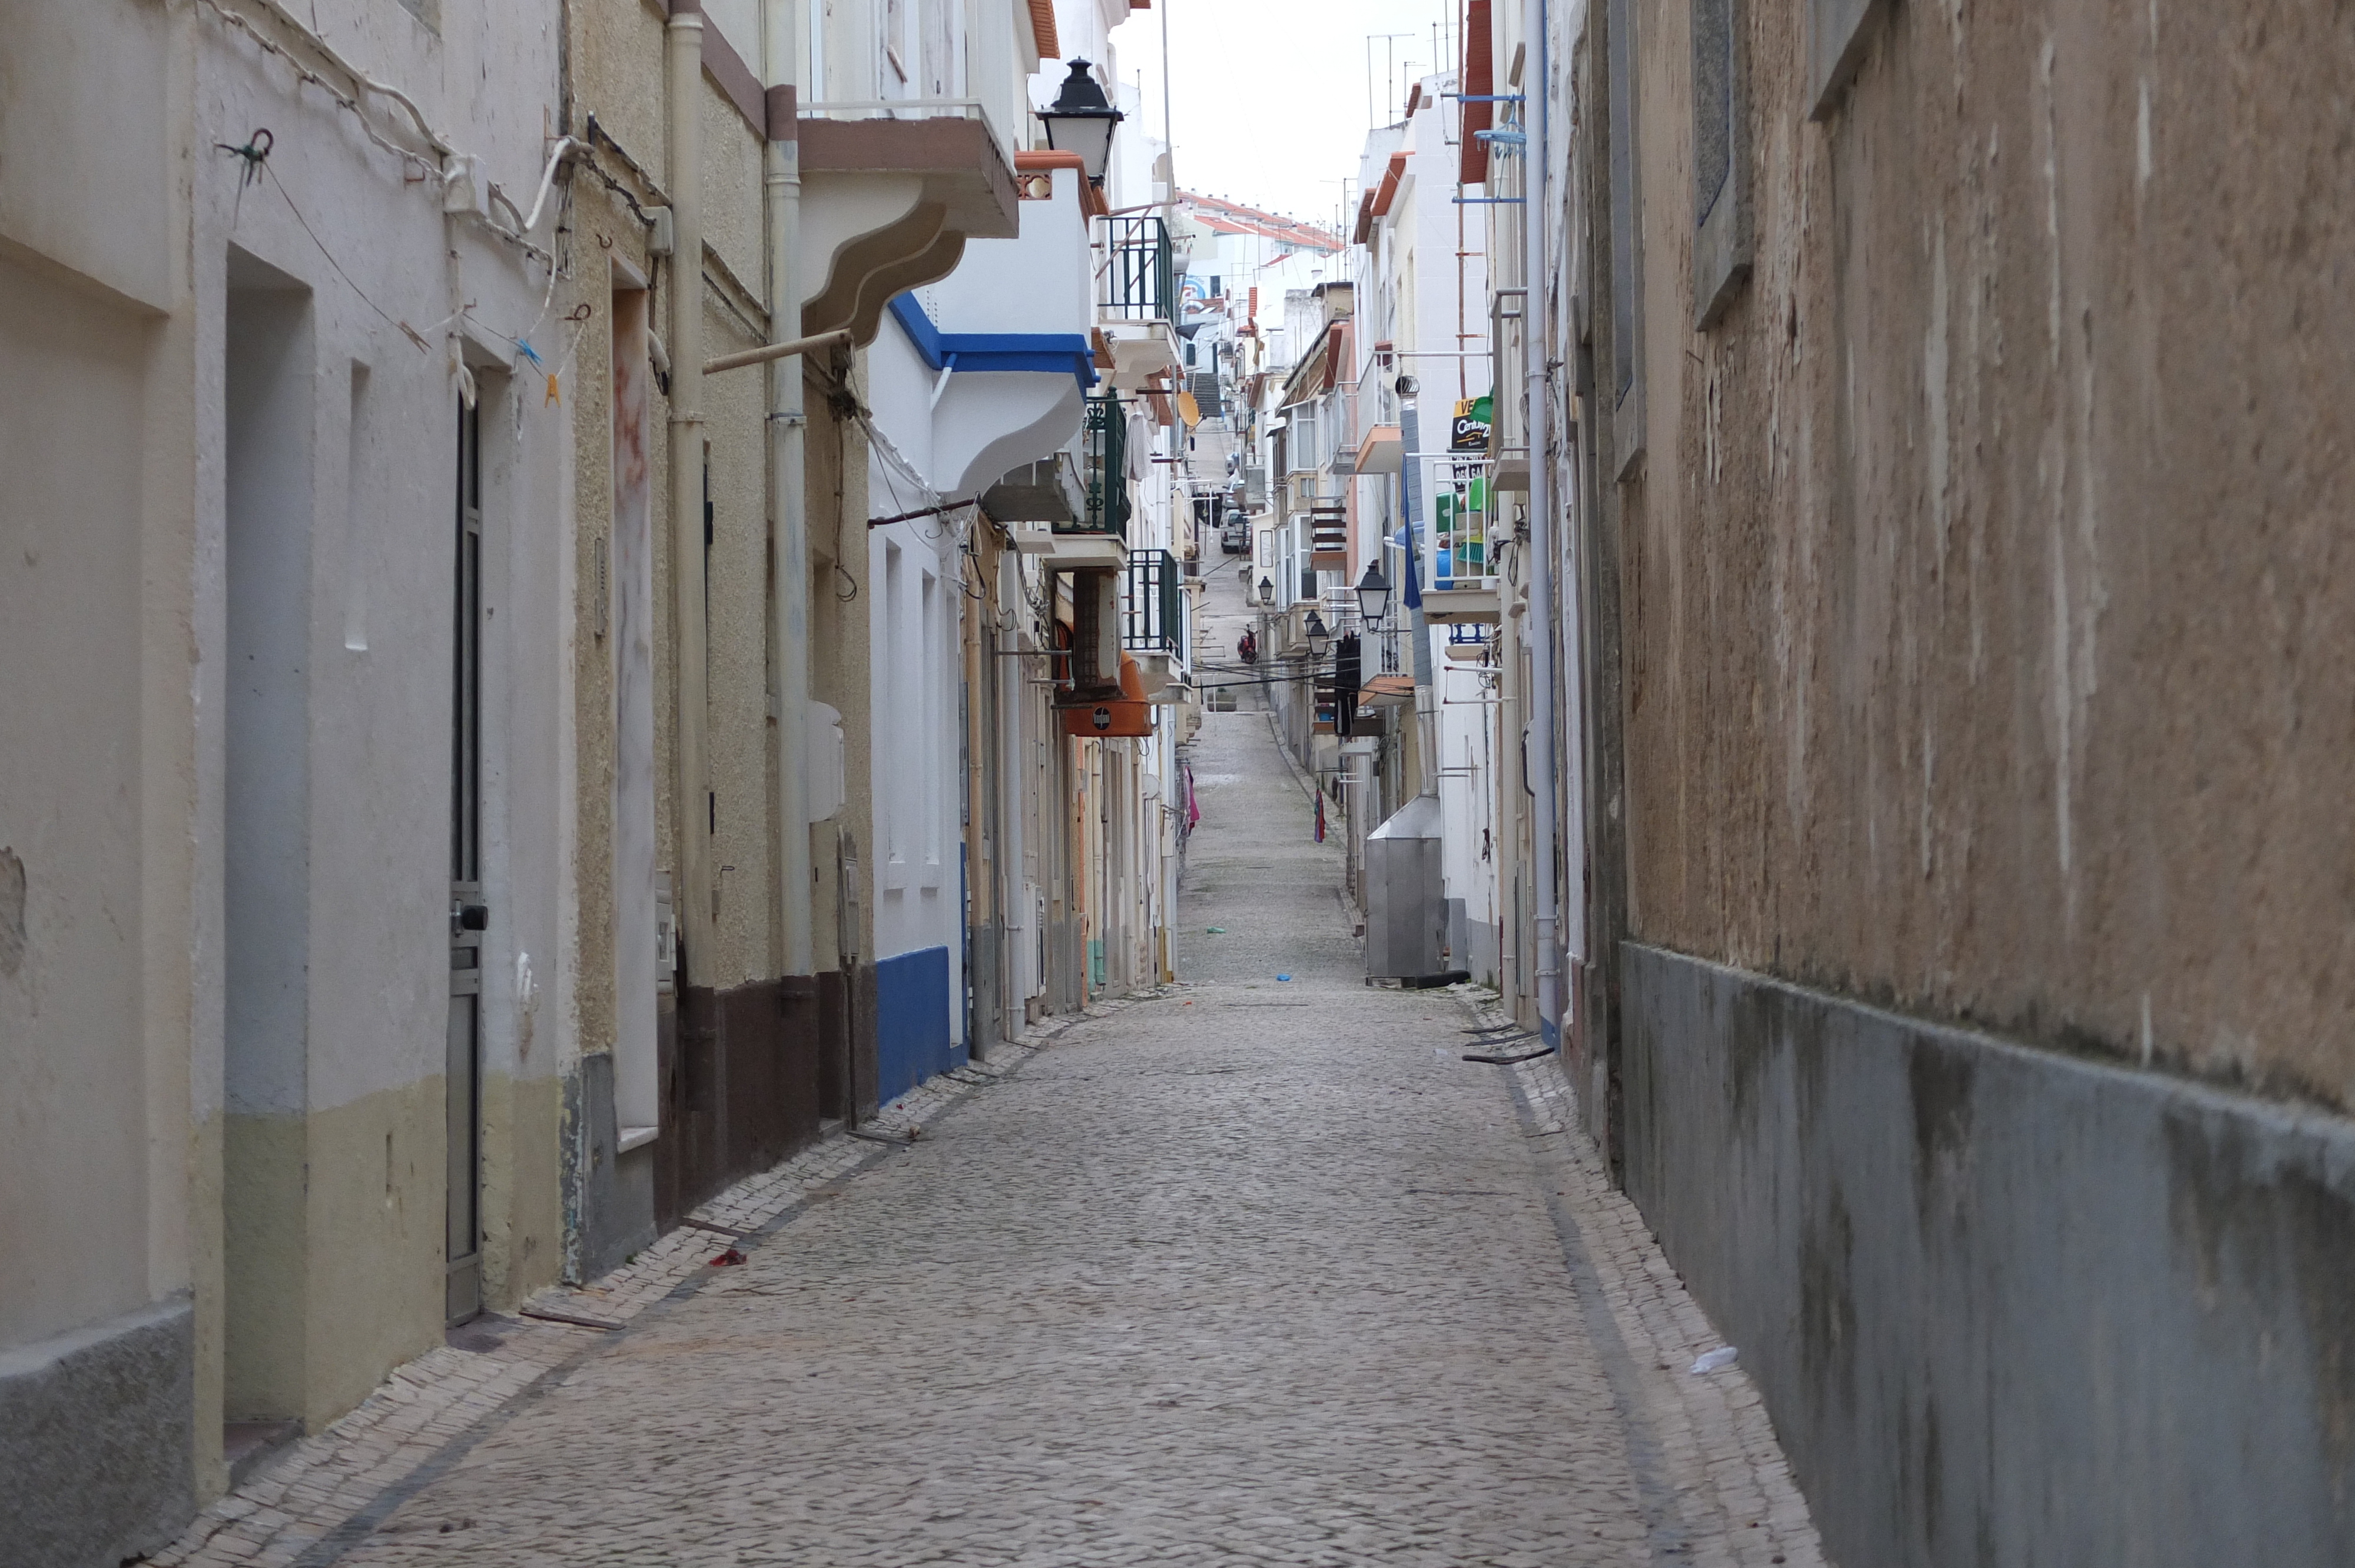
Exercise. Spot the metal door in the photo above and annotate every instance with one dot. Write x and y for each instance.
(468, 915)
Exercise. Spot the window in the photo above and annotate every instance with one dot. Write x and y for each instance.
(1720, 158)
(896, 49)
(1300, 438)
(1626, 246)
(1838, 34)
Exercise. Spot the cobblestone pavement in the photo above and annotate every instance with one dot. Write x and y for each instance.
(1253, 1270)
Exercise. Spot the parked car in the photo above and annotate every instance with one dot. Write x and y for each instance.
(1234, 537)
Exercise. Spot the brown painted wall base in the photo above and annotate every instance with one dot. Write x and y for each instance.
(740, 1088)
(834, 1044)
(863, 1080)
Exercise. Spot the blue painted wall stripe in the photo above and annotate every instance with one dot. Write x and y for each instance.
(912, 1020)
(1065, 354)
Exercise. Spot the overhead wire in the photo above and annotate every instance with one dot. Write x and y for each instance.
(427, 168)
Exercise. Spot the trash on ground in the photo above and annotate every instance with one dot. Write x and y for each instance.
(1216, 931)
(730, 1256)
(1721, 1356)
(1284, 977)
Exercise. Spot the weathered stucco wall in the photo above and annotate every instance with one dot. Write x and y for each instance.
(1983, 631)
(1981, 666)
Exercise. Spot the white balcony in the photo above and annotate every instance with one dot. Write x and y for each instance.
(1136, 298)
(988, 371)
(1458, 534)
(892, 195)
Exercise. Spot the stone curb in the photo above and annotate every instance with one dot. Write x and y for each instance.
(1711, 1480)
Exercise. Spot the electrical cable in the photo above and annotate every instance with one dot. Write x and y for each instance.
(346, 101)
(410, 332)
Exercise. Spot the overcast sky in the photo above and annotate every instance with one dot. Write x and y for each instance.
(1269, 96)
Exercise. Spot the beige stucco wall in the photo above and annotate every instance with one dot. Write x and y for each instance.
(1981, 647)
(100, 1023)
(616, 55)
(346, 1261)
(73, 1046)
(121, 1157)
(332, 1150)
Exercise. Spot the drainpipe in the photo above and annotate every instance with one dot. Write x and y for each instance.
(691, 787)
(788, 457)
(1426, 714)
(1542, 617)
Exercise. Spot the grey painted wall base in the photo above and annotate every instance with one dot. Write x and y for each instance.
(2007, 1307)
(98, 1441)
(609, 1196)
(1483, 951)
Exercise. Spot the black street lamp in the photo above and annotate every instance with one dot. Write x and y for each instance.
(1080, 121)
(1374, 594)
(1319, 639)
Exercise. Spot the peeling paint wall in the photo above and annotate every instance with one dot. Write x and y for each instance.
(1980, 606)
(141, 259)
(1977, 659)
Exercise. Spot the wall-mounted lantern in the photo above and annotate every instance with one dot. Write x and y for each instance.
(1080, 121)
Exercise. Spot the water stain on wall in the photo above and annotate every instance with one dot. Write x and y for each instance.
(12, 912)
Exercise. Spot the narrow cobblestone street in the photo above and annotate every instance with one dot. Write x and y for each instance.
(1256, 1269)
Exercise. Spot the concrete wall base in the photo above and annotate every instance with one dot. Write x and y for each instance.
(97, 1440)
(609, 1197)
(2005, 1304)
(1483, 951)
(985, 1019)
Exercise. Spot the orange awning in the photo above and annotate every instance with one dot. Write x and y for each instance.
(1127, 716)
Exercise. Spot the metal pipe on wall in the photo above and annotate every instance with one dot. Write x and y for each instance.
(691, 792)
(1425, 769)
(1543, 616)
(788, 459)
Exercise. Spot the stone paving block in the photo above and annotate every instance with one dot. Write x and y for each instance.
(1241, 1270)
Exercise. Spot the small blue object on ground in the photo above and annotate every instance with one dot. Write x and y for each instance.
(1284, 977)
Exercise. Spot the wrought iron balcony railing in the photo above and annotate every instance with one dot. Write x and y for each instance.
(1153, 604)
(1138, 279)
(1104, 467)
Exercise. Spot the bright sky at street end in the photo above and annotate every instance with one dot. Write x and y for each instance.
(1269, 98)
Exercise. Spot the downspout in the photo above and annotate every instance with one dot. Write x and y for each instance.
(1426, 713)
(1543, 609)
(692, 788)
(788, 459)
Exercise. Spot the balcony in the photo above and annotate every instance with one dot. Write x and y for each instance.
(1468, 642)
(1104, 460)
(1381, 452)
(1329, 536)
(1136, 298)
(891, 192)
(1139, 278)
(1509, 440)
(1340, 429)
(1091, 528)
(1153, 605)
(1459, 535)
(1155, 623)
(1037, 497)
(997, 350)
